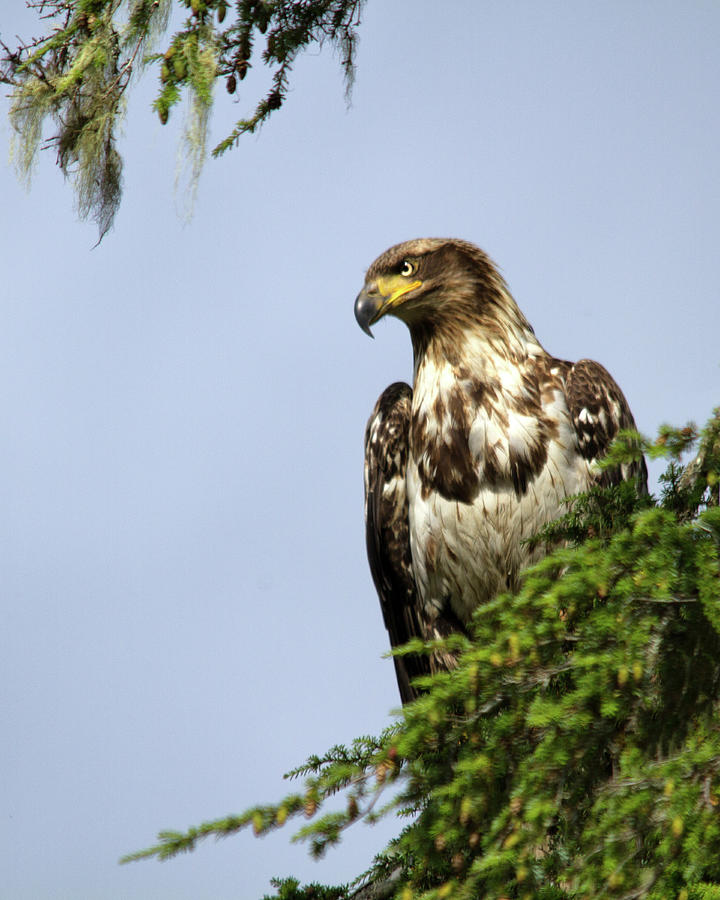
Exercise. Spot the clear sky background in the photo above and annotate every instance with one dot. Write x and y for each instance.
(187, 608)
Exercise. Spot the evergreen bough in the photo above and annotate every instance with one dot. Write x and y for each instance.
(575, 750)
(77, 74)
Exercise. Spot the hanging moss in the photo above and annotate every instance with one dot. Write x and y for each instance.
(77, 75)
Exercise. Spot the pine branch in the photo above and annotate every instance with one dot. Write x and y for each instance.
(573, 751)
(76, 76)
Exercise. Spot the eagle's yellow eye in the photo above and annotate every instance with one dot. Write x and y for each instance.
(408, 268)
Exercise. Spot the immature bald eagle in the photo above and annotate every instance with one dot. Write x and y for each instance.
(479, 454)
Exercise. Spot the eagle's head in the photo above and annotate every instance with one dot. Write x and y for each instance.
(428, 280)
(438, 286)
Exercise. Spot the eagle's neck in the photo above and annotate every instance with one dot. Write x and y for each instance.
(478, 326)
(485, 349)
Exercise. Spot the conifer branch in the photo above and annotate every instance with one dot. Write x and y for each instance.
(575, 749)
(77, 74)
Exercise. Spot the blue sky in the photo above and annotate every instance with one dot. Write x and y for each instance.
(188, 611)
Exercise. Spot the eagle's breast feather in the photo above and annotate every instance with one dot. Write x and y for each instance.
(484, 479)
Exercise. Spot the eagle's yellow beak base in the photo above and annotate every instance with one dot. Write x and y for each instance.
(375, 299)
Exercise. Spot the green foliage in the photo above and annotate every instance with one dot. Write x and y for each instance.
(575, 750)
(598, 513)
(289, 889)
(357, 771)
(77, 74)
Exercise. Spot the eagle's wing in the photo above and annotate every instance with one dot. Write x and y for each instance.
(387, 530)
(599, 410)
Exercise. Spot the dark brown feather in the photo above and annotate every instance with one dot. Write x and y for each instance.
(599, 411)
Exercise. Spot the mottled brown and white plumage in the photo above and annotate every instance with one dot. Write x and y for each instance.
(479, 454)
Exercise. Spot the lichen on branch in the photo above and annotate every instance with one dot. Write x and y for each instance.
(76, 76)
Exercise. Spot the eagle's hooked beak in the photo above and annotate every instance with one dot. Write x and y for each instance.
(376, 298)
(368, 305)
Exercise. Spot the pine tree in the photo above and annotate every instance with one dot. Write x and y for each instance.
(575, 751)
(78, 72)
